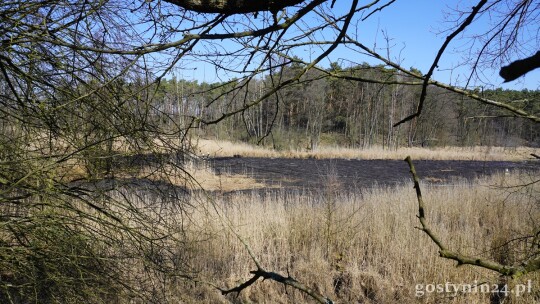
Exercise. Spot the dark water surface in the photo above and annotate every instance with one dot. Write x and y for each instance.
(355, 173)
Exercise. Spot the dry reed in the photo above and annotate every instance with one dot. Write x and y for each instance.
(362, 246)
(220, 148)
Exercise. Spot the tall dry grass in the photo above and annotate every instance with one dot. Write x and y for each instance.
(220, 148)
(362, 246)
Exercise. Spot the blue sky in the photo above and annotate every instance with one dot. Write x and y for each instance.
(413, 26)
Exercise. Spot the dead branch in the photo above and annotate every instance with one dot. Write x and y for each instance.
(289, 281)
(531, 265)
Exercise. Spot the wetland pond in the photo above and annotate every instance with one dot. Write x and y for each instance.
(309, 174)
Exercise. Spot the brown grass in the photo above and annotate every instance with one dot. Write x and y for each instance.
(220, 148)
(363, 247)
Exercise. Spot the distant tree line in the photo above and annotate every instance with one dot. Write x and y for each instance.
(345, 111)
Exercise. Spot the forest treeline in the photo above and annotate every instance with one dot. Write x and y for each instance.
(336, 107)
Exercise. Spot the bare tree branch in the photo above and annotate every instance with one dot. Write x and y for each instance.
(289, 281)
(531, 265)
(260, 272)
(503, 105)
(423, 95)
(332, 47)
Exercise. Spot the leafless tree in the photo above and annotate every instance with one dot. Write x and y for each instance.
(77, 78)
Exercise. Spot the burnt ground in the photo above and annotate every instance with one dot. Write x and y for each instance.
(354, 174)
